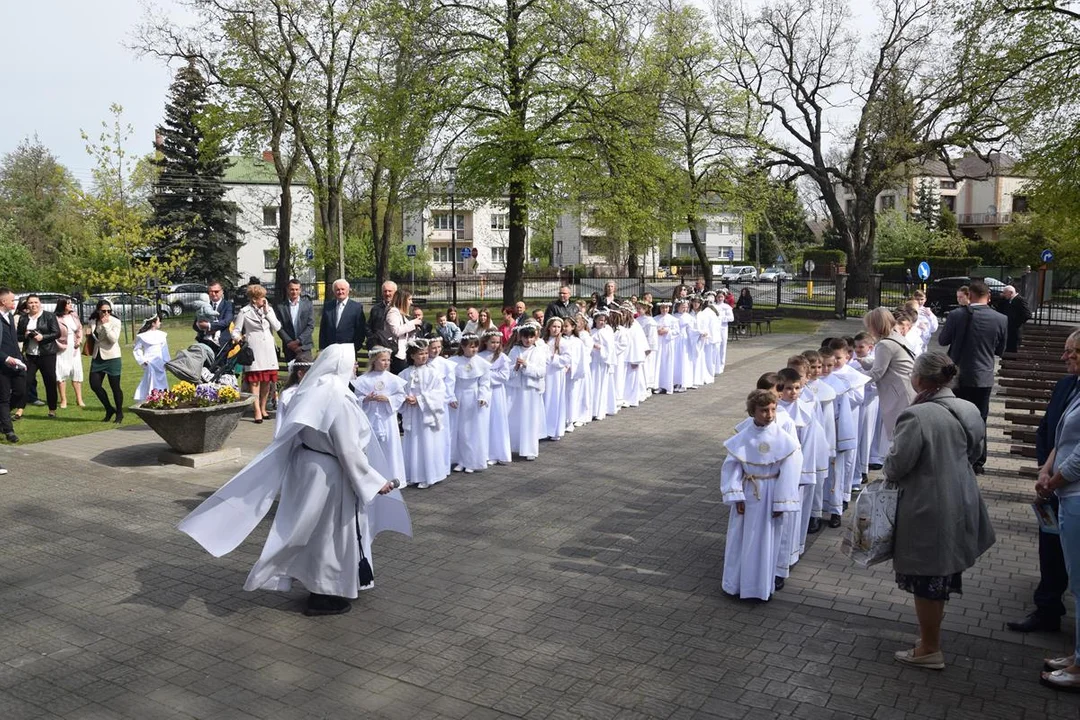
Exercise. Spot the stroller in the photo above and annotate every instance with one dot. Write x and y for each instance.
(199, 363)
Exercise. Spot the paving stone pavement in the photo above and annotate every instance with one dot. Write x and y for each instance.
(584, 585)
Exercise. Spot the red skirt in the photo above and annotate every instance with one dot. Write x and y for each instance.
(260, 376)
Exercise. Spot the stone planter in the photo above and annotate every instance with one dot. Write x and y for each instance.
(195, 430)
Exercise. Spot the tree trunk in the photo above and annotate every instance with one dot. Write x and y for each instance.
(284, 240)
(389, 213)
(700, 250)
(381, 251)
(513, 282)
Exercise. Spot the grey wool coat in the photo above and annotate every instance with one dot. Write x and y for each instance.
(941, 521)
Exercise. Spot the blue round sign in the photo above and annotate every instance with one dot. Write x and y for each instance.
(924, 270)
(1047, 255)
(730, 254)
(309, 254)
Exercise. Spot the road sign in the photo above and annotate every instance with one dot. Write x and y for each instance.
(809, 266)
(475, 252)
(924, 270)
(1047, 255)
(780, 260)
(465, 253)
(410, 251)
(309, 254)
(730, 254)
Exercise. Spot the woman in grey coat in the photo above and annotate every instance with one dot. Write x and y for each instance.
(891, 369)
(941, 521)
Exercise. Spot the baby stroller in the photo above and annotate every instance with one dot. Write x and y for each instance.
(199, 363)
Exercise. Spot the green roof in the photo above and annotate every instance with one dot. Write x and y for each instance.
(246, 170)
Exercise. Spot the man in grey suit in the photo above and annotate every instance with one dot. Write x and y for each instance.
(343, 319)
(297, 321)
(975, 335)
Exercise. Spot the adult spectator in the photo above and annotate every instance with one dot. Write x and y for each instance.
(607, 298)
(69, 360)
(216, 332)
(38, 329)
(890, 368)
(12, 365)
(342, 319)
(258, 322)
(699, 286)
(1016, 312)
(402, 328)
(975, 335)
(105, 360)
(963, 296)
(941, 522)
(30, 397)
(472, 320)
(561, 308)
(378, 332)
(297, 316)
(423, 327)
(519, 313)
(729, 297)
(508, 324)
(452, 316)
(484, 324)
(745, 301)
(1060, 475)
(1053, 577)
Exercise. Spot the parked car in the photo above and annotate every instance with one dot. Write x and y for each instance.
(773, 274)
(48, 299)
(184, 297)
(740, 274)
(126, 306)
(941, 293)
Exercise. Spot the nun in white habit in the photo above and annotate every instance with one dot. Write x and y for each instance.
(332, 503)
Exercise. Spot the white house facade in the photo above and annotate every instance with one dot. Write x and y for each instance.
(480, 229)
(252, 188)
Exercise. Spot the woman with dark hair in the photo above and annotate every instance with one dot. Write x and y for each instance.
(38, 330)
(745, 301)
(105, 360)
(941, 521)
(401, 329)
(452, 316)
(69, 360)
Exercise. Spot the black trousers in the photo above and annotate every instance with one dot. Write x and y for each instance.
(980, 398)
(12, 392)
(396, 365)
(1053, 577)
(46, 364)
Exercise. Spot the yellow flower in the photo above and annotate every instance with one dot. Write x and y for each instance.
(228, 394)
(183, 391)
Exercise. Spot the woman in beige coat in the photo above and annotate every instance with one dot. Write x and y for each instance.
(258, 323)
(105, 360)
(891, 369)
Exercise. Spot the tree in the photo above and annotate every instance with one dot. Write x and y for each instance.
(188, 200)
(899, 238)
(800, 62)
(35, 195)
(927, 208)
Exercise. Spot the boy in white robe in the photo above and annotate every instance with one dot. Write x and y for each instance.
(668, 331)
(814, 456)
(151, 351)
(846, 442)
(853, 382)
(381, 395)
(637, 353)
(760, 482)
(652, 356)
(423, 418)
(825, 397)
(870, 455)
(528, 373)
(446, 371)
(575, 379)
(498, 418)
(727, 316)
(472, 391)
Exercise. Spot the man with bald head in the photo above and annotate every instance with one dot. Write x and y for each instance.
(1015, 310)
(342, 319)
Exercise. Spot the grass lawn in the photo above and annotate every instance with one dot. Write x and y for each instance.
(796, 326)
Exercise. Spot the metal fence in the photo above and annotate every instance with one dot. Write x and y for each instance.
(488, 289)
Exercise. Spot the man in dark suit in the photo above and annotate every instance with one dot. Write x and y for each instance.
(378, 331)
(1053, 577)
(297, 316)
(342, 320)
(1015, 309)
(561, 308)
(12, 365)
(215, 331)
(423, 328)
(975, 336)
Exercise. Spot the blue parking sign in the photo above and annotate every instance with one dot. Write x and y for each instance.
(466, 253)
(730, 254)
(410, 251)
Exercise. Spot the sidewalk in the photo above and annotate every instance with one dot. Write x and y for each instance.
(586, 584)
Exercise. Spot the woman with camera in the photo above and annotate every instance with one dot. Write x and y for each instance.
(38, 330)
(103, 345)
(258, 323)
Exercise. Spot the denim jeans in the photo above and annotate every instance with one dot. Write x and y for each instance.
(1069, 522)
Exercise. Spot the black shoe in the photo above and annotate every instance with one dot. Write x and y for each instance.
(875, 466)
(979, 469)
(834, 521)
(1035, 623)
(326, 605)
(845, 505)
(11, 438)
(814, 526)
(778, 584)
(16, 417)
(109, 412)
(119, 416)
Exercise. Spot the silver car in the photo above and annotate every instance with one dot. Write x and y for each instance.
(773, 274)
(184, 297)
(126, 306)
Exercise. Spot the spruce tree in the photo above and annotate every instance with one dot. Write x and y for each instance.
(189, 196)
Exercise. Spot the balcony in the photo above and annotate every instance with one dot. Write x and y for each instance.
(984, 218)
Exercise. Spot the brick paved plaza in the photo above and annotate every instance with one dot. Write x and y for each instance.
(584, 585)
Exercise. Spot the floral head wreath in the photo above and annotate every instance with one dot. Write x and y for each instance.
(379, 350)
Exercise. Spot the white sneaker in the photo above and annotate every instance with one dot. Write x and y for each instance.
(459, 468)
(424, 486)
(469, 471)
(3, 471)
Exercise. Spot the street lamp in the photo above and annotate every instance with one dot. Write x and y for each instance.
(453, 236)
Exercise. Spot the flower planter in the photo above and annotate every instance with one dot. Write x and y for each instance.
(195, 430)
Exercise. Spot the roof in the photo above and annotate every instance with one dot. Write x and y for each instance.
(245, 170)
(972, 166)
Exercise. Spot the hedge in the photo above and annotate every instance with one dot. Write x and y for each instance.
(940, 266)
(823, 259)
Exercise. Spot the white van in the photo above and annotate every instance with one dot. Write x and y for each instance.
(740, 274)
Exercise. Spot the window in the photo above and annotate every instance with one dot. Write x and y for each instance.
(558, 249)
(949, 201)
(685, 250)
(498, 254)
(849, 207)
(888, 202)
(441, 254)
(500, 221)
(1020, 204)
(947, 184)
(270, 216)
(269, 259)
(588, 247)
(441, 221)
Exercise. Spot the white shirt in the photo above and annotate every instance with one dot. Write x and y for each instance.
(294, 311)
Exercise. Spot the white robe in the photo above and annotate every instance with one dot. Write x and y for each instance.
(152, 350)
(703, 327)
(427, 435)
(685, 351)
(526, 396)
(499, 416)
(383, 419)
(618, 384)
(582, 413)
(637, 348)
(446, 369)
(575, 385)
(849, 384)
(726, 317)
(668, 356)
(560, 365)
(825, 396)
(472, 422)
(604, 359)
(652, 361)
(762, 471)
(814, 456)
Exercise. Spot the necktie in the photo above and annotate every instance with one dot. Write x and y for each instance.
(340, 309)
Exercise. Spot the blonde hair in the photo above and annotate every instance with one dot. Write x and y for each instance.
(256, 292)
(879, 322)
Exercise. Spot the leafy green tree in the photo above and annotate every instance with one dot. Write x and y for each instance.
(18, 266)
(35, 195)
(927, 208)
(899, 237)
(188, 201)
